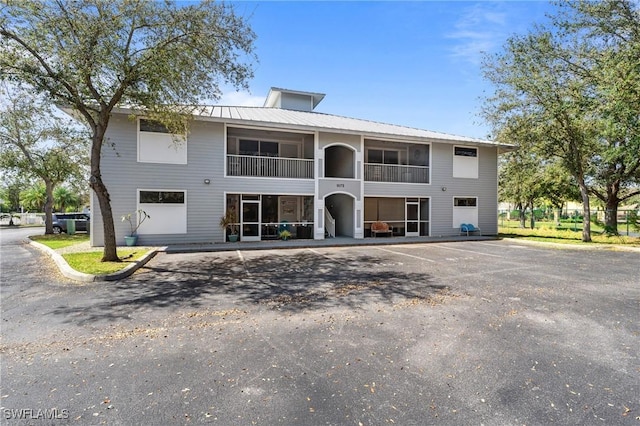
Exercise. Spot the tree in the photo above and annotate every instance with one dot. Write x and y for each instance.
(574, 89)
(93, 55)
(12, 184)
(558, 187)
(610, 32)
(38, 144)
(63, 198)
(526, 180)
(34, 198)
(519, 181)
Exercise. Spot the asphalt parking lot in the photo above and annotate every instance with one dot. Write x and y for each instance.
(450, 333)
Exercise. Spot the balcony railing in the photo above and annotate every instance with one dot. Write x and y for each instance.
(276, 167)
(396, 173)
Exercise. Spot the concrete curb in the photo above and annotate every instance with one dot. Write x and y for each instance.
(71, 273)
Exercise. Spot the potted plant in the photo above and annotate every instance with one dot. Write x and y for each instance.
(141, 216)
(229, 222)
(285, 234)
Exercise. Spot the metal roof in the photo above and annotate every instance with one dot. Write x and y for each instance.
(285, 119)
(312, 121)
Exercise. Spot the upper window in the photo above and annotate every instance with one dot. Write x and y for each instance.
(382, 156)
(162, 197)
(152, 126)
(259, 148)
(465, 162)
(465, 152)
(157, 145)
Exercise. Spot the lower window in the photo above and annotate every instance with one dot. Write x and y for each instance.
(465, 210)
(167, 210)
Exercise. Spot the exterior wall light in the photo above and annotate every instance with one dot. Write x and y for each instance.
(207, 181)
(444, 188)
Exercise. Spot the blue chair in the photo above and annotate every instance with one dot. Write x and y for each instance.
(467, 228)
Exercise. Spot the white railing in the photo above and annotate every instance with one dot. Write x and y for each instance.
(395, 173)
(329, 223)
(249, 165)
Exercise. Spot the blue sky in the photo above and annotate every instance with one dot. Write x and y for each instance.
(410, 63)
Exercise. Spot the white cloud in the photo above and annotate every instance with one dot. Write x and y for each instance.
(480, 29)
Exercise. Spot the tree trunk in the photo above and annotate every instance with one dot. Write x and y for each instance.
(48, 207)
(586, 211)
(532, 220)
(110, 253)
(522, 216)
(611, 213)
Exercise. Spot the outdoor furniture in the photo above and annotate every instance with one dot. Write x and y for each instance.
(467, 228)
(383, 228)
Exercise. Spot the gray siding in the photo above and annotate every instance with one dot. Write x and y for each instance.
(124, 175)
(332, 186)
(485, 188)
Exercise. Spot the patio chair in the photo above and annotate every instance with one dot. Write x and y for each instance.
(383, 228)
(467, 228)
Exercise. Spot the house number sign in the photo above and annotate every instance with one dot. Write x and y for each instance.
(340, 185)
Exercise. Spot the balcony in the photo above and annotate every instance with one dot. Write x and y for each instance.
(395, 173)
(272, 167)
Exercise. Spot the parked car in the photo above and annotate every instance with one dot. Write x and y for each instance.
(60, 222)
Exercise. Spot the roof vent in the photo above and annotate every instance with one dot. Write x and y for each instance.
(292, 99)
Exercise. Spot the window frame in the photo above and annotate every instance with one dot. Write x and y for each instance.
(383, 150)
(170, 159)
(475, 202)
(465, 166)
(167, 211)
(468, 149)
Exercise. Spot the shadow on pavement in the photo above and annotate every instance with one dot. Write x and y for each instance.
(295, 283)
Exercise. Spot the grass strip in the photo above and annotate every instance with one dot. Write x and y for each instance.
(57, 241)
(565, 236)
(90, 262)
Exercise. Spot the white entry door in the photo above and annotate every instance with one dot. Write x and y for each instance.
(412, 215)
(250, 220)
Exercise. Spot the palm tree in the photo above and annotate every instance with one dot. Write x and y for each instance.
(34, 197)
(63, 198)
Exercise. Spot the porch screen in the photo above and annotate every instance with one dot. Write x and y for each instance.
(385, 209)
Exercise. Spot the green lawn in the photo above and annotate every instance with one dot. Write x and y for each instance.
(563, 235)
(539, 224)
(90, 262)
(57, 241)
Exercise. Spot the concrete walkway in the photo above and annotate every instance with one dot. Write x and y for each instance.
(328, 242)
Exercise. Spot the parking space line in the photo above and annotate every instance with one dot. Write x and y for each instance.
(244, 264)
(405, 254)
(500, 245)
(325, 255)
(469, 251)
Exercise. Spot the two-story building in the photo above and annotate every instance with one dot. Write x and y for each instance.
(284, 166)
